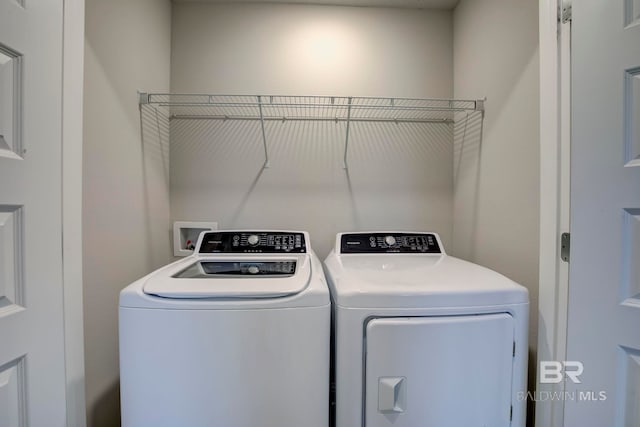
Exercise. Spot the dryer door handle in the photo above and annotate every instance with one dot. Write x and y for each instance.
(392, 395)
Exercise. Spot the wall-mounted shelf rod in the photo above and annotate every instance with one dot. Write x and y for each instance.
(307, 119)
(407, 108)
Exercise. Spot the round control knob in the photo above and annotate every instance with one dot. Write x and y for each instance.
(253, 240)
(390, 240)
(253, 269)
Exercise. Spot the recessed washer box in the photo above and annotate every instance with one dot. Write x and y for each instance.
(185, 235)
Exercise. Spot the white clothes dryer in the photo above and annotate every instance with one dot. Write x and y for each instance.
(423, 338)
(235, 335)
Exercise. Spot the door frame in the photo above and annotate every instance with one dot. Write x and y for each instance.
(555, 144)
(72, 101)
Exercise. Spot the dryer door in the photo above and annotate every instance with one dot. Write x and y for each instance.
(439, 371)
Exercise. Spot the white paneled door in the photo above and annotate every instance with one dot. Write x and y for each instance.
(32, 366)
(604, 289)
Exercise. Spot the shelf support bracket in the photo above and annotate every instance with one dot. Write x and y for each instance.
(264, 134)
(566, 11)
(346, 141)
(143, 98)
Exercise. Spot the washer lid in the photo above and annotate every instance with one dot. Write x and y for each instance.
(228, 276)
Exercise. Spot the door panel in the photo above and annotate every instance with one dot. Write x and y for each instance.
(445, 371)
(12, 404)
(632, 117)
(32, 368)
(632, 12)
(604, 289)
(629, 381)
(630, 289)
(10, 102)
(11, 284)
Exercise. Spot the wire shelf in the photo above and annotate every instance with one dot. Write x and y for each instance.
(309, 108)
(269, 107)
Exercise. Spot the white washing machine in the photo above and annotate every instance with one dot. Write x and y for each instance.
(236, 335)
(422, 338)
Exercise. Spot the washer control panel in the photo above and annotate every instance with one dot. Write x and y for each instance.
(405, 243)
(245, 242)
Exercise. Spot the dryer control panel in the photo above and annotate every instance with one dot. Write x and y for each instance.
(245, 242)
(405, 243)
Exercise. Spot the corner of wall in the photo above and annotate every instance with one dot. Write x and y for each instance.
(496, 196)
(126, 230)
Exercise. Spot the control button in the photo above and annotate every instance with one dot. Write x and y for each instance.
(253, 269)
(253, 240)
(390, 240)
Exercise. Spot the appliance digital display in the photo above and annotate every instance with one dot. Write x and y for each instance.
(372, 243)
(243, 242)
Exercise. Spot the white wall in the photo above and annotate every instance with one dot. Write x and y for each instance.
(400, 176)
(496, 215)
(125, 188)
(311, 50)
